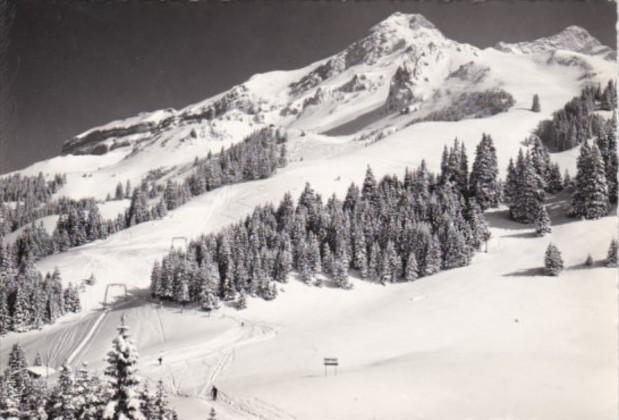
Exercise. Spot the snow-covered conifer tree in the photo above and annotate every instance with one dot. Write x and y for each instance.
(411, 270)
(553, 262)
(535, 107)
(611, 258)
(542, 222)
(122, 360)
(484, 174)
(596, 192)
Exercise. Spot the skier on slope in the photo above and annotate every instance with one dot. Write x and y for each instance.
(214, 392)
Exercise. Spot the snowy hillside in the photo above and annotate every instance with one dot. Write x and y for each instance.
(404, 63)
(488, 341)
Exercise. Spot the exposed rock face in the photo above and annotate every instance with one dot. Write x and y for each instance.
(401, 89)
(395, 33)
(319, 97)
(137, 127)
(332, 67)
(470, 72)
(102, 139)
(239, 98)
(356, 84)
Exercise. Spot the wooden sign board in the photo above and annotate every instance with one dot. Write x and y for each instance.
(331, 361)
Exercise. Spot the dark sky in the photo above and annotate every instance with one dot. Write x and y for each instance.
(78, 64)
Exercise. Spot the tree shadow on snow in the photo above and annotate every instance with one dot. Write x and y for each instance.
(500, 219)
(523, 235)
(528, 272)
(558, 207)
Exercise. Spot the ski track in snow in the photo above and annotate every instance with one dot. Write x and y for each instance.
(558, 354)
(80, 347)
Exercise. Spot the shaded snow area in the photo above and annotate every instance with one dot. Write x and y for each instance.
(493, 340)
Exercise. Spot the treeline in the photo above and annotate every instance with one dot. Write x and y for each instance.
(80, 221)
(33, 188)
(28, 300)
(388, 231)
(257, 157)
(23, 199)
(576, 122)
(80, 394)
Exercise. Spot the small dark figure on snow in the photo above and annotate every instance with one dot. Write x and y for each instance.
(160, 360)
(214, 392)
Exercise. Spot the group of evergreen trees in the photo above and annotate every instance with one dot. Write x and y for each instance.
(388, 231)
(28, 300)
(594, 188)
(256, 157)
(577, 122)
(34, 188)
(595, 184)
(81, 395)
(24, 199)
(553, 261)
(80, 221)
(527, 182)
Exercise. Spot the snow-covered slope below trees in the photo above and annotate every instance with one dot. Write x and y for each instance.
(426, 349)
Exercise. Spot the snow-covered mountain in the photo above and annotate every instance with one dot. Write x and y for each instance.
(404, 70)
(573, 38)
(369, 104)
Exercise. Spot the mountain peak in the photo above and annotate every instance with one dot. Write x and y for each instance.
(573, 38)
(410, 21)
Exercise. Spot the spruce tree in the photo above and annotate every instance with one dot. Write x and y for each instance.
(479, 226)
(374, 262)
(162, 410)
(583, 177)
(88, 398)
(5, 320)
(368, 191)
(209, 301)
(212, 414)
(528, 194)
(535, 107)
(484, 174)
(38, 361)
(9, 401)
(553, 262)
(241, 302)
(64, 395)
(433, 261)
(122, 371)
(596, 191)
(120, 192)
(411, 270)
(611, 258)
(542, 222)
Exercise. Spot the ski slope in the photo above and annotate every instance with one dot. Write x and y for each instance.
(494, 340)
(432, 349)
